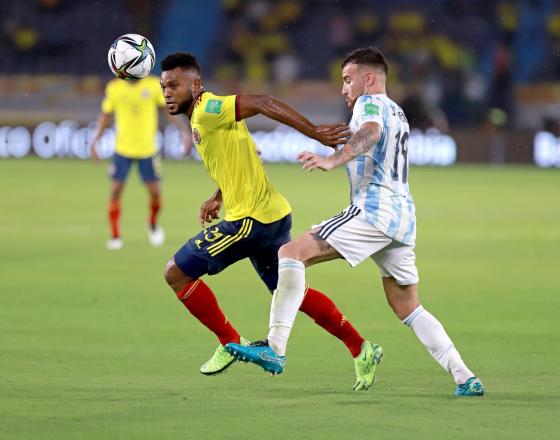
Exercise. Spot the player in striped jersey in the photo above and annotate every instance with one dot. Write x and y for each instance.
(257, 217)
(379, 223)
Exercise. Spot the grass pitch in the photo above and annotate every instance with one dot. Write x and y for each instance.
(94, 345)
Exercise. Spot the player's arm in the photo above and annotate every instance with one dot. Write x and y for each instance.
(185, 133)
(274, 108)
(361, 141)
(210, 209)
(103, 122)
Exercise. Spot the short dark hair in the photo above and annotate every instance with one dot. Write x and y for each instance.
(185, 60)
(368, 55)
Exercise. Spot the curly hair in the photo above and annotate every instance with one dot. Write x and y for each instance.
(184, 60)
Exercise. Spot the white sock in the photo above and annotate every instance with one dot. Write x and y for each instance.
(432, 334)
(286, 302)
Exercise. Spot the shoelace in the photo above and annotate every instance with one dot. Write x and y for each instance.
(263, 343)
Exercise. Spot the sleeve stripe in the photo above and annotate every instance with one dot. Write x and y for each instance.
(237, 115)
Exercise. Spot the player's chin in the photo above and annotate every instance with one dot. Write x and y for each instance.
(172, 109)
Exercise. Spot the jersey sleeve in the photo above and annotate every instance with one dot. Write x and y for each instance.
(108, 103)
(159, 97)
(218, 111)
(158, 93)
(368, 109)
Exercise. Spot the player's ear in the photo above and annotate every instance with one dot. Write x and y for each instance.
(370, 79)
(197, 85)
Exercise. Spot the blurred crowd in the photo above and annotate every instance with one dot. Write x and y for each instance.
(67, 36)
(451, 61)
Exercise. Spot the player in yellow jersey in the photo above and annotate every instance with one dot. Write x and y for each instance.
(135, 105)
(257, 218)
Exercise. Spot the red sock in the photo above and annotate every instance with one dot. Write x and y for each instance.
(114, 215)
(155, 206)
(201, 302)
(325, 313)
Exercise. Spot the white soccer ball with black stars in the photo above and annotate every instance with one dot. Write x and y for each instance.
(131, 57)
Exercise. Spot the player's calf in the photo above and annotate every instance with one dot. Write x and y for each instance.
(201, 302)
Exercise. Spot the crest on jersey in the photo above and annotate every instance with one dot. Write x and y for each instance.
(196, 136)
(213, 106)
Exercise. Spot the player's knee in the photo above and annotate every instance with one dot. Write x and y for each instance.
(175, 277)
(116, 193)
(171, 273)
(289, 250)
(154, 191)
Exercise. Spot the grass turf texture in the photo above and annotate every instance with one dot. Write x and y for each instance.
(94, 345)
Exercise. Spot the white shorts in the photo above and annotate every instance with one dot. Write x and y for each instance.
(355, 239)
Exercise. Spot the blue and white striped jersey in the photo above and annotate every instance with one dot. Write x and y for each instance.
(379, 177)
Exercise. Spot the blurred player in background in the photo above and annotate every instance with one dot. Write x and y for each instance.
(257, 217)
(135, 105)
(380, 224)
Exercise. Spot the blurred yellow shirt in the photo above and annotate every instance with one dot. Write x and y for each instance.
(230, 156)
(135, 105)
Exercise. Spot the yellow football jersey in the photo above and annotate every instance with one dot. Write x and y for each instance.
(135, 104)
(230, 156)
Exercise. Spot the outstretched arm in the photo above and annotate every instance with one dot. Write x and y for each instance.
(184, 131)
(274, 108)
(368, 135)
(103, 122)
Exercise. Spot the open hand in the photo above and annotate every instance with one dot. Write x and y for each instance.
(312, 161)
(332, 135)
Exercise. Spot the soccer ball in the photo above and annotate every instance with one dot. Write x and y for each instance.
(131, 56)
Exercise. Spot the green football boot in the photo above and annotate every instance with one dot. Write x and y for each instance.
(366, 364)
(220, 360)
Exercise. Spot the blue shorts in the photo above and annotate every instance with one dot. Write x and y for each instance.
(222, 244)
(148, 168)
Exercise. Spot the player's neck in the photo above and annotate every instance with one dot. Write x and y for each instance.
(196, 98)
(375, 90)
